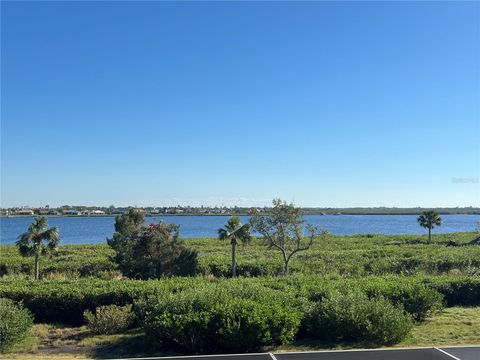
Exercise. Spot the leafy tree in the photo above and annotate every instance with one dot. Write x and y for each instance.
(283, 228)
(235, 232)
(38, 240)
(428, 220)
(153, 251)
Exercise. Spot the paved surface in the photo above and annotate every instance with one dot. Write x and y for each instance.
(464, 353)
(420, 354)
(447, 353)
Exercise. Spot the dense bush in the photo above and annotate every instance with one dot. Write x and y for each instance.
(109, 319)
(150, 252)
(458, 291)
(408, 293)
(215, 318)
(65, 301)
(353, 316)
(15, 323)
(418, 300)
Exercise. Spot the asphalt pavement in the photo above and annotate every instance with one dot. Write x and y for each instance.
(446, 353)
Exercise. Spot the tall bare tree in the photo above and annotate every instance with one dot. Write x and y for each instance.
(283, 228)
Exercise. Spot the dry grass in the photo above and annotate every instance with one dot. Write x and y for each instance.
(36, 356)
(454, 326)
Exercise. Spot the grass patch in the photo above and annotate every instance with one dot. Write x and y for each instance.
(454, 326)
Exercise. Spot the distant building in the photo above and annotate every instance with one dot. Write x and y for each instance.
(119, 211)
(46, 211)
(24, 212)
(71, 212)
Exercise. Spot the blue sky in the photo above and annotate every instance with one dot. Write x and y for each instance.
(157, 103)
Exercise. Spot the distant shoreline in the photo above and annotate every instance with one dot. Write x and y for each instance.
(473, 213)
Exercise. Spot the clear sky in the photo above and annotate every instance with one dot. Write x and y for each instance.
(158, 103)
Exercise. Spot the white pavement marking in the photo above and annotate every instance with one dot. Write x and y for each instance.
(272, 356)
(446, 353)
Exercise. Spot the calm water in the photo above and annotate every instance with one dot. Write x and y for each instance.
(90, 230)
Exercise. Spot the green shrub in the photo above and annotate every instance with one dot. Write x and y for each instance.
(65, 301)
(415, 298)
(15, 323)
(109, 319)
(458, 291)
(214, 319)
(150, 251)
(387, 323)
(355, 317)
(93, 268)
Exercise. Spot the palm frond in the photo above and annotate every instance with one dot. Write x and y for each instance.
(223, 234)
(429, 219)
(31, 241)
(25, 245)
(234, 230)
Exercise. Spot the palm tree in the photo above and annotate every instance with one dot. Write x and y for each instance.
(428, 220)
(31, 242)
(235, 232)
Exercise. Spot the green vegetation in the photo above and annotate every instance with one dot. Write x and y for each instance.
(353, 316)
(205, 314)
(235, 232)
(283, 229)
(221, 317)
(371, 289)
(65, 301)
(428, 220)
(69, 261)
(150, 252)
(358, 255)
(31, 243)
(109, 319)
(390, 211)
(15, 323)
(452, 326)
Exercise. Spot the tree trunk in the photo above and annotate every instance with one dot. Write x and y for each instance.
(234, 259)
(286, 259)
(429, 235)
(36, 266)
